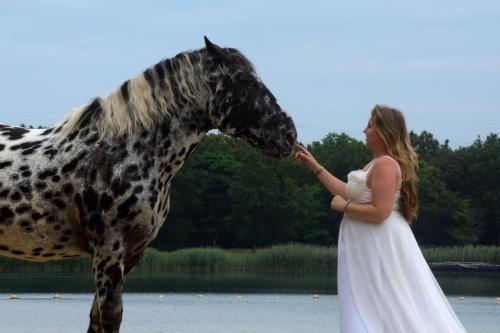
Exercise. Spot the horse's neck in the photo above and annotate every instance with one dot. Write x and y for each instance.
(175, 140)
(172, 146)
(157, 112)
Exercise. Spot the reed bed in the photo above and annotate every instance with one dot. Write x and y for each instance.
(467, 253)
(291, 258)
(280, 258)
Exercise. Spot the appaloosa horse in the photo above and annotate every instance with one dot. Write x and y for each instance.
(98, 185)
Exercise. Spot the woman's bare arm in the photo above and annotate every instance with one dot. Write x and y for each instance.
(334, 185)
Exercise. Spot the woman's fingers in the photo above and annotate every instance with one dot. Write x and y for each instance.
(303, 156)
(299, 156)
(301, 150)
(299, 147)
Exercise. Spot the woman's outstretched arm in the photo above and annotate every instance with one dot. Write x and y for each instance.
(334, 185)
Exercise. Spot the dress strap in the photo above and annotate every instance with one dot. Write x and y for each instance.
(372, 163)
(395, 162)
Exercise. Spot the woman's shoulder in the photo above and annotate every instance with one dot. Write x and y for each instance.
(385, 165)
(386, 162)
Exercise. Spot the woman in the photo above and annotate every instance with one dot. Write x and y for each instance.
(384, 282)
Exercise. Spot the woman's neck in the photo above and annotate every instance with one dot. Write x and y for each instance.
(379, 152)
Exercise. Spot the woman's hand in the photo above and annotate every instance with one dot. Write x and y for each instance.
(338, 203)
(329, 181)
(305, 157)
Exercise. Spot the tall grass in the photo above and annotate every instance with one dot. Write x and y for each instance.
(467, 253)
(279, 258)
(291, 258)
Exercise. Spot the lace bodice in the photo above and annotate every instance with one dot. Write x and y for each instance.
(357, 190)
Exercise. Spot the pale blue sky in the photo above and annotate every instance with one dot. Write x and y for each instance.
(327, 62)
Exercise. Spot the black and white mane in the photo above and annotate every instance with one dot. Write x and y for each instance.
(141, 103)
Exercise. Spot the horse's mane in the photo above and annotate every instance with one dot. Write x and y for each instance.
(143, 101)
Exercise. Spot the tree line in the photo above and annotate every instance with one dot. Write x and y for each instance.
(230, 195)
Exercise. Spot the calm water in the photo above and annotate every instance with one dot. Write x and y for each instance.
(232, 303)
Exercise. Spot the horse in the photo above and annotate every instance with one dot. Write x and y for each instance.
(97, 184)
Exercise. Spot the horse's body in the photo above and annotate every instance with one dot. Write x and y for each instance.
(98, 185)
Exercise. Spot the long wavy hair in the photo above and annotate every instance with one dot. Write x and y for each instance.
(390, 125)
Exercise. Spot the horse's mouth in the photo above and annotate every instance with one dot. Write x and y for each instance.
(273, 150)
(277, 153)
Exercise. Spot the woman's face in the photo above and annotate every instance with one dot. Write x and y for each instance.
(372, 138)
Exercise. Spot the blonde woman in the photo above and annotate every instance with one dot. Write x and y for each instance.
(384, 282)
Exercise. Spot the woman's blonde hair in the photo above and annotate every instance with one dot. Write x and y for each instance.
(390, 125)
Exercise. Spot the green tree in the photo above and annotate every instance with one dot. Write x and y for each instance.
(480, 179)
(230, 195)
(445, 217)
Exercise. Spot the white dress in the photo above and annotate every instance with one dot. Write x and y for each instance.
(384, 283)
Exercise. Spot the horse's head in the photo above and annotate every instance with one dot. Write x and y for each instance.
(242, 106)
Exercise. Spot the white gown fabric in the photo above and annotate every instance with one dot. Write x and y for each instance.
(384, 283)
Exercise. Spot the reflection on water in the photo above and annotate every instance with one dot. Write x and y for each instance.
(173, 282)
(470, 284)
(452, 284)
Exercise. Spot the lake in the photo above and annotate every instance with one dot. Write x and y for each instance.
(166, 302)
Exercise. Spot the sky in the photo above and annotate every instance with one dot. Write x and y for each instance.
(327, 62)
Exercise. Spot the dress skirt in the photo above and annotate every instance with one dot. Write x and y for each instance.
(385, 285)
(350, 321)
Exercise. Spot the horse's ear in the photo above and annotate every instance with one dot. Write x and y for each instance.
(216, 51)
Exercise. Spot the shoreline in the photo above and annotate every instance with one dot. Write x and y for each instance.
(291, 258)
(436, 267)
(458, 267)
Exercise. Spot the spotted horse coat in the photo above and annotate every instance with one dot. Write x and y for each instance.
(98, 184)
